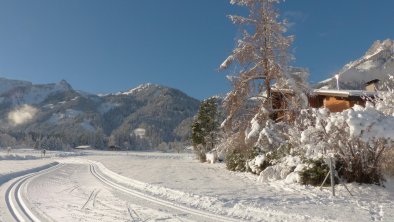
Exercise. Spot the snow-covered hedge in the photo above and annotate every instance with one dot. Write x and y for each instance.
(360, 138)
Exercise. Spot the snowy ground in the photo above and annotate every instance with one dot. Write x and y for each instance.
(113, 186)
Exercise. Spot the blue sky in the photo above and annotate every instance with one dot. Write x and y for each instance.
(103, 46)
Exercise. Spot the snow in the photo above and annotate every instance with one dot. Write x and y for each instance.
(367, 65)
(20, 161)
(259, 160)
(281, 171)
(139, 132)
(73, 194)
(255, 129)
(7, 84)
(38, 94)
(368, 123)
(377, 63)
(87, 125)
(226, 63)
(31, 94)
(211, 157)
(343, 93)
(211, 186)
(137, 89)
(49, 106)
(68, 114)
(106, 107)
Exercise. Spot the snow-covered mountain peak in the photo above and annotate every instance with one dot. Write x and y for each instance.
(23, 92)
(7, 84)
(377, 63)
(63, 85)
(140, 88)
(379, 46)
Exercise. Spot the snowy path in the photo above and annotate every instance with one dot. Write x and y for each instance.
(205, 216)
(79, 191)
(13, 192)
(116, 186)
(214, 188)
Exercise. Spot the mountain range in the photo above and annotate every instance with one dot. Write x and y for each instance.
(56, 116)
(377, 63)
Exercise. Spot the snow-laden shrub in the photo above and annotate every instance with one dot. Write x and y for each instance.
(314, 172)
(267, 137)
(211, 157)
(237, 159)
(358, 136)
(385, 99)
(282, 169)
(264, 160)
(257, 164)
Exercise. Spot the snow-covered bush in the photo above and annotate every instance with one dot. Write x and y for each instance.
(265, 159)
(314, 172)
(268, 137)
(236, 160)
(238, 153)
(282, 169)
(211, 156)
(360, 139)
(357, 136)
(257, 164)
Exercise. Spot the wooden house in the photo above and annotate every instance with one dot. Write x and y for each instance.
(339, 100)
(332, 99)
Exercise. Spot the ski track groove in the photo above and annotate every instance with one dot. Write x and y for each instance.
(14, 200)
(156, 200)
(90, 197)
(95, 196)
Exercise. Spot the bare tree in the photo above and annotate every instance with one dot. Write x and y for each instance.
(261, 58)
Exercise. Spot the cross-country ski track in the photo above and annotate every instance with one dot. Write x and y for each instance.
(25, 206)
(148, 186)
(15, 200)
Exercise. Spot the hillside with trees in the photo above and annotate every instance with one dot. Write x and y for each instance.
(55, 116)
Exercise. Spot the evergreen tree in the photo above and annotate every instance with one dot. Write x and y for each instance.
(205, 127)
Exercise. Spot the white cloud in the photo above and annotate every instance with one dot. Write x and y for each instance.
(22, 114)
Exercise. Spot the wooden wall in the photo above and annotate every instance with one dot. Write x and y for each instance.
(335, 104)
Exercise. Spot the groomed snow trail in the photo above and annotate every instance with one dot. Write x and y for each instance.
(78, 190)
(180, 178)
(117, 186)
(14, 193)
(198, 213)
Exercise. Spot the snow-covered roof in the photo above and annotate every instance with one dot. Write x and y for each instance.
(282, 90)
(83, 147)
(344, 93)
(332, 92)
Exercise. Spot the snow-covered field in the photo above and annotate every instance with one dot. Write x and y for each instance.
(138, 186)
